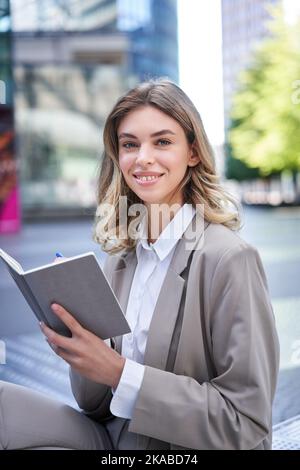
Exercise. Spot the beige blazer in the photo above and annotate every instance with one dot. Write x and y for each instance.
(211, 362)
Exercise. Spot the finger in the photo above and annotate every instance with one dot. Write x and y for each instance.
(54, 338)
(61, 352)
(67, 319)
(67, 356)
(52, 346)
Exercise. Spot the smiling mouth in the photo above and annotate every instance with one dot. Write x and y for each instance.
(147, 178)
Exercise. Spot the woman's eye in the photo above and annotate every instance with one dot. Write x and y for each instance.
(160, 142)
(129, 145)
(163, 142)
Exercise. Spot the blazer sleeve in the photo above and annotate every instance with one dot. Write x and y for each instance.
(93, 398)
(232, 410)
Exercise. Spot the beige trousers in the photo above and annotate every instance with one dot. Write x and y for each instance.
(30, 420)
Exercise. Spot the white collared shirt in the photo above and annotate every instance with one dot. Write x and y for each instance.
(153, 261)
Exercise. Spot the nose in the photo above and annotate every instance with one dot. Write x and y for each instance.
(144, 155)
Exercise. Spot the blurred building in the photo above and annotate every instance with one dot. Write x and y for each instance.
(244, 26)
(71, 61)
(9, 191)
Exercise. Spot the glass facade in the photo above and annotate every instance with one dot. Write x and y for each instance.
(60, 116)
(72, 60)
(152, 28)
(9, 195)
(244, 25)
(64, 15)
(155, 47)
(5, 54)
(134, 14)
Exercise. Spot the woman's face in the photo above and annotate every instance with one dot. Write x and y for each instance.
(154, 145)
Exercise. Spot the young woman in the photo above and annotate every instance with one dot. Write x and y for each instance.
(199, 368)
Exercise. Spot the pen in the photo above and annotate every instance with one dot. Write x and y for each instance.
(59, 255)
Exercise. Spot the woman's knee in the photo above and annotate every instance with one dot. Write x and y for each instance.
(4, 386)
(30, 419)
(27, 417)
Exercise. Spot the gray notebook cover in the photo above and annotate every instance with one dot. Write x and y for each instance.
(79, 285)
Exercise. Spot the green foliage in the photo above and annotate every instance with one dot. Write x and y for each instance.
(265, 118)
(237, 169)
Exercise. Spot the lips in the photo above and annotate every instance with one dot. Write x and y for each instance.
(147, 177)
(147, 173)
(146, 180)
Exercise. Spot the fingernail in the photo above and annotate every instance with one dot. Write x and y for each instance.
(55, 307)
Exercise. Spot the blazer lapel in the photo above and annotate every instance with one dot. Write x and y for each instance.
(121, 282)
(167, 307)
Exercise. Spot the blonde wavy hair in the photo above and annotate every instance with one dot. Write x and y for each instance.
(200, 184)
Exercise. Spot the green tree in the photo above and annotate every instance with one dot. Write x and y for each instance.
(265, 118)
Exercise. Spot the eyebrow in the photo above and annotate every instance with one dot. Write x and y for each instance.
(155, 134)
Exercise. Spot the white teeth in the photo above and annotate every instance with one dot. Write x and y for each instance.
(147, 178)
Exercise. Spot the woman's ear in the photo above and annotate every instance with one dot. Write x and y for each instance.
(194, 158)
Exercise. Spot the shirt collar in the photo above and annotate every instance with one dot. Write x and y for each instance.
(169, 236)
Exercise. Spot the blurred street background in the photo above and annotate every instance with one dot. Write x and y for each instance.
(63, 64)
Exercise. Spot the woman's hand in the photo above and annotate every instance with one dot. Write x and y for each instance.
(84, 351)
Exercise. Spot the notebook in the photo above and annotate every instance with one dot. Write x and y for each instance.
(78, 284)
